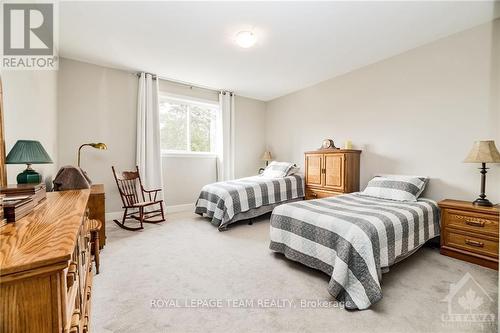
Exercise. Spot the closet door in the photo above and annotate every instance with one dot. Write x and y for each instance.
(314, 163)
(334, 171)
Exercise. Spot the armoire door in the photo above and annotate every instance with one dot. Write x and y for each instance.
(314, 165)
(334, 171)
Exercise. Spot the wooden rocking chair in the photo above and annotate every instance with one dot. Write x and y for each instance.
(137, 199)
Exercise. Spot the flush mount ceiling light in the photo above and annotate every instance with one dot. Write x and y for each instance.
(245, 39)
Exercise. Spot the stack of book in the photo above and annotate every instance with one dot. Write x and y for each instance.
(15, 208)
(36, 192)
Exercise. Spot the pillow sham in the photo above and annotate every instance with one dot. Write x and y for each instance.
(277, 169)
(398, 188)
(425, 179)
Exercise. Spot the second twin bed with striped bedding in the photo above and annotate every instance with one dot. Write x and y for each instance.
(354, 239)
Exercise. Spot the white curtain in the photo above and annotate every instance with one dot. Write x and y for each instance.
(148, 156)
(225, 142)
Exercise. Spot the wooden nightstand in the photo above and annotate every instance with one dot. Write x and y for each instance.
(470, 232)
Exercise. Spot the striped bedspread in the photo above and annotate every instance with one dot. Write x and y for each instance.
(222, 201)
(353, 239)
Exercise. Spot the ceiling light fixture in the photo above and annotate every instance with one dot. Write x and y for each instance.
(245, 39)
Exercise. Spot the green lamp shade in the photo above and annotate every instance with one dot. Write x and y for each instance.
(28, 152)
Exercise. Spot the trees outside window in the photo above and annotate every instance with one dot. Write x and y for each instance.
(187, 126)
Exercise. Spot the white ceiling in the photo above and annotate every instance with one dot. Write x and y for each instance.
(299, 43)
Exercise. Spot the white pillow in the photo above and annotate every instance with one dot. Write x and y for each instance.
(394, 187)
(425, 179)
(277, 169)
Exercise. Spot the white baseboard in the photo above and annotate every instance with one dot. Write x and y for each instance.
(169, 209)
(180, 208)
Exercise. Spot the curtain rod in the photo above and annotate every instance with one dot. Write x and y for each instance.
(186, 84)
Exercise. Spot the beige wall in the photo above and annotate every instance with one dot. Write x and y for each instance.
(184, 90)
(30, 103)
(250, 136)
(415, 113)
(97, 104)
(184, 176)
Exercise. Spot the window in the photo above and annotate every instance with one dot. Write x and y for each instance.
(187, 126)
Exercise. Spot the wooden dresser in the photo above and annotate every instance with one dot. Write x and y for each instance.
(331, 172)
(470, 232)
(46, 268)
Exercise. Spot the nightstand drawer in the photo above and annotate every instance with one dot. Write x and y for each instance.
(472, 222)
(471, 243)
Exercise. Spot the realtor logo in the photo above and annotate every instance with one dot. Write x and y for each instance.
(28, 36)
(469, 304)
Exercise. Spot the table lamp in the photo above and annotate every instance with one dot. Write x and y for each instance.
(28, 152)
(483, 152)
(267, 157)
(98, 145)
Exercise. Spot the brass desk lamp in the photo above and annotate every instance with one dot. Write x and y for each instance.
(98, 145)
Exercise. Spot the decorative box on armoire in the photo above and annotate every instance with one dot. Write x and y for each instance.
(331, 172)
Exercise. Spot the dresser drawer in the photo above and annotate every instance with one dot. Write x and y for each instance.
(471, 222)
(318, 194)
(474, 243)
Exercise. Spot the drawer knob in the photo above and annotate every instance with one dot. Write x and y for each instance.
(474, 243)
(71, 275)
(475, 223)
(75, 319)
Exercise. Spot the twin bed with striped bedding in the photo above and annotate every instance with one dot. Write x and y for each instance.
(353, 238)
(228, 202)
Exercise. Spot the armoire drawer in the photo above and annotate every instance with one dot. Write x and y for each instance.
(312, 193)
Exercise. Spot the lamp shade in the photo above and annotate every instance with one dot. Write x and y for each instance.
(483, 152)
(267, 156)
(28, 152)
(98, 145)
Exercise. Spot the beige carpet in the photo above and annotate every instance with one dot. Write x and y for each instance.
(187, 259)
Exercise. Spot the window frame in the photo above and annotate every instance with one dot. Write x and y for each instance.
(188, 100)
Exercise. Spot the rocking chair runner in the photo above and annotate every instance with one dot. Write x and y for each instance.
(137, 199)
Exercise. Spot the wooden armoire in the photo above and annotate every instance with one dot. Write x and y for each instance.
(331, 172)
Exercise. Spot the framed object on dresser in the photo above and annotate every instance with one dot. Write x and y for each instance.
(331, 172)
(470, 232)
